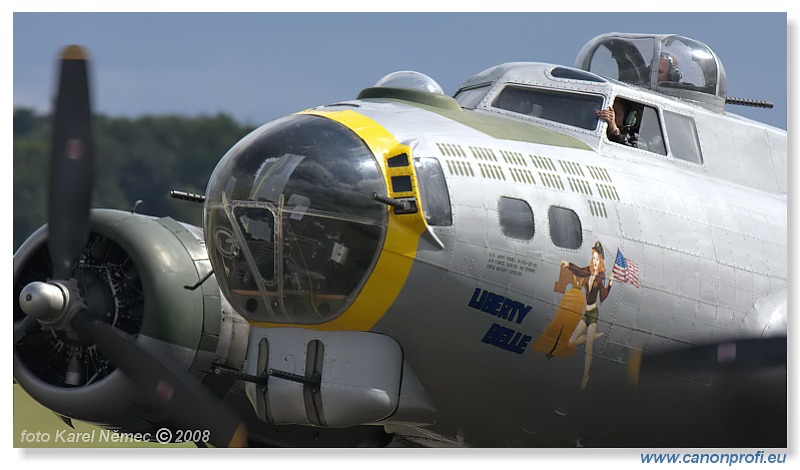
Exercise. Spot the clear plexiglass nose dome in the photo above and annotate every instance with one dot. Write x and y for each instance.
(290, 225)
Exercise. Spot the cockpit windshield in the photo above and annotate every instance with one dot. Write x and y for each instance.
(290, 226)
(574, 109)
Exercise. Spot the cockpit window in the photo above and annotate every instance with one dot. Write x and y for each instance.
(290, 225)
(640, 127)
(573, 109)
(650, 136)
(470, 98)
(682, 133)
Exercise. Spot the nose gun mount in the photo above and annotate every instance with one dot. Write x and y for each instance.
(405, 205)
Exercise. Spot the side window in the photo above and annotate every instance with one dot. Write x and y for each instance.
(565, 228)
(641, 126)
(682, 133)
(516, 218)
(471, 97)
(650, 136)
(433, 191)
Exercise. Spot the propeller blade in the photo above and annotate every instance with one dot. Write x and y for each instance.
(170, 389)
(166, 386)
(734, 356)
(729, 356)
(71, 163)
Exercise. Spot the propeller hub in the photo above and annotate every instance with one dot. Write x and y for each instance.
(53, 304)
(43, 301)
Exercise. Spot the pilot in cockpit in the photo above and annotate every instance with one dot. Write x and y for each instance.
(621, 120)
(668, 68)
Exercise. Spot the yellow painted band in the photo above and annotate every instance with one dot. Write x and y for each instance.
(402, 233)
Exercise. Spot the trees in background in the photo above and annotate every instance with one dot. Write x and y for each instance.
(136, 159)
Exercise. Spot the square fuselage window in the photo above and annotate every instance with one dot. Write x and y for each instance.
(565, 228)
(516, 218)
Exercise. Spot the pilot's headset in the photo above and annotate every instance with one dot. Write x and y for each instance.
(674, 73)
(630, 118)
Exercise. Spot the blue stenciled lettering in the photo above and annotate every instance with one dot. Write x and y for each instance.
(506, 309)
(522, 312)
(499, 306)
(506, 338)
(478, 298)
(492, 303)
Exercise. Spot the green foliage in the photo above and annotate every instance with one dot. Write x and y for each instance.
(141, 158)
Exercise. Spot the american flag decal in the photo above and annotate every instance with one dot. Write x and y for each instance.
(626, 270)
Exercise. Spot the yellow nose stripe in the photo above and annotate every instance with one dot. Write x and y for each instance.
(378, 139)
(402, 234)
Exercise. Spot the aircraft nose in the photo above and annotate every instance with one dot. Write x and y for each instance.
(291, 226)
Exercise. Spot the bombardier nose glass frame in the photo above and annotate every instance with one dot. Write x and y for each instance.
(291, 227)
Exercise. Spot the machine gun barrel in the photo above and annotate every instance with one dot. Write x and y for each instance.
(749, 102)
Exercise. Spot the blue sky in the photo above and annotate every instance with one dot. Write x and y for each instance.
(259, 66)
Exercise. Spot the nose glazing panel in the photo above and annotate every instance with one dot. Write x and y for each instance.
(290, 224)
